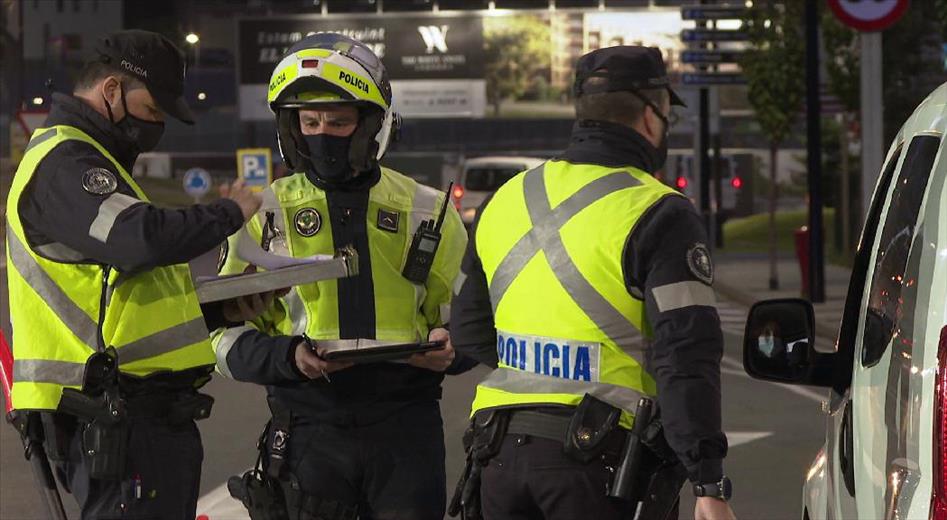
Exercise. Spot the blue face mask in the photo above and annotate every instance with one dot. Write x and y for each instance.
(329, 155)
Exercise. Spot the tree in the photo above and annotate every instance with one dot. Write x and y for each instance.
(774, 68)
(517, 51)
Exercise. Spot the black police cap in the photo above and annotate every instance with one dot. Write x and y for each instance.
(625, 67)
(153, 60)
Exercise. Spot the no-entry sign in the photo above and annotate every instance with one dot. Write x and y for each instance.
(868, 15)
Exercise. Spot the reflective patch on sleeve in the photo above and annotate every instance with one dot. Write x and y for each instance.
(109, 211)
(445, 312)
(683, 294)
(459, 282)
(224, 343)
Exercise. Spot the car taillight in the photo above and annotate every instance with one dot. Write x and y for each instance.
(737, 182)
(458, 194)
(681, 182)
(939, 492)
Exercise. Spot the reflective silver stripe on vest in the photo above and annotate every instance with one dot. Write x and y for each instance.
(226, 342)
(74, 318)
(544, 236)
(162, 342)
(40, 139)
(108, 212)
(48, 371)
(522, 382)
(297, 312)
(683, 294)
(59, 252)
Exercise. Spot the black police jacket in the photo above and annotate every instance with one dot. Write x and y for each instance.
(688, 342)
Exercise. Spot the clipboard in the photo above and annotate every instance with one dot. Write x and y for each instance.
(370, 351)
(216, 288)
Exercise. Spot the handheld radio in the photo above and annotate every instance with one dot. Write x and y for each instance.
(424, 246)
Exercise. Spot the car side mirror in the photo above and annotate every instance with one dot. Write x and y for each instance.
(779, 344)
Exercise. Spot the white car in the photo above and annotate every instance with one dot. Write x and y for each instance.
(482, 176)
(885, 453)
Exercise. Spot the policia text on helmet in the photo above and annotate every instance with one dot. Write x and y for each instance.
(332, 101)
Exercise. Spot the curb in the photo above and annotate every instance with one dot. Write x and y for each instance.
(823, 330)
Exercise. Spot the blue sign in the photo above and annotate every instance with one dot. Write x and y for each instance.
(710, 57)
(255, 167)
(712, 12)
(713, 78)
(197, 182)
(713, 35)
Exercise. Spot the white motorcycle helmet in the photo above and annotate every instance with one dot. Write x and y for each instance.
(331, 68)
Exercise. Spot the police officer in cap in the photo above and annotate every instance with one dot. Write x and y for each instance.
(587, 285)
(101, 298)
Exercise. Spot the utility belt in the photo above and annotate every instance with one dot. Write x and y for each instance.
(269, 491)
(644, 469)
(100, 413)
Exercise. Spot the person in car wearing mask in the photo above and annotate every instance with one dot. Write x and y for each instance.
(98, 279)
(367, 439)
(587, 285)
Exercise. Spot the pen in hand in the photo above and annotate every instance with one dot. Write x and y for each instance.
(312, 348)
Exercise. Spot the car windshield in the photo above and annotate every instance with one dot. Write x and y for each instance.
(489, 178)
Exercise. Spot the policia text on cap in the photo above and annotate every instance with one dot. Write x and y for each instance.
(101, 299)
(588, 287)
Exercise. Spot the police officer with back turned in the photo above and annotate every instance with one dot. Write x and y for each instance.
(587, 285)
(110, 342)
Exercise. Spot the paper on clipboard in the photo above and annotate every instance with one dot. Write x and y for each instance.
(281, 271)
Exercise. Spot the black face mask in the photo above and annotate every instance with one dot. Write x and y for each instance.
(144, 134)
(329, 155)
(661, 156)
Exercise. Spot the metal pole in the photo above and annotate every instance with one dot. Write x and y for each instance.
(703, 157)
(872, 111)
(814, 155)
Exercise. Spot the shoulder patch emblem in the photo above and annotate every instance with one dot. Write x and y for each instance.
(700, 264)
(99, 181)
(307, 221)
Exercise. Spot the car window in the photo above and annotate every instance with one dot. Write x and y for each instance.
(489, 178)
(842, 378)
(887, 304)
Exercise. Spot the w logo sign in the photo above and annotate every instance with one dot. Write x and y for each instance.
(435, 37)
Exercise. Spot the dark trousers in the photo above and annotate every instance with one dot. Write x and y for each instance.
(162, 474)
(532, 479)
(391, 469)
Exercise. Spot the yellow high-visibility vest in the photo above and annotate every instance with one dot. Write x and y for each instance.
(551, 242)
(153, 318)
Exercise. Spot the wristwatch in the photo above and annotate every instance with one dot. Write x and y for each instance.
(722, 489)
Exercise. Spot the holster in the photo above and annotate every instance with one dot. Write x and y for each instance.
(593, 422)
(192, 407)
(482, 441)
(259, 492)
(667, 475)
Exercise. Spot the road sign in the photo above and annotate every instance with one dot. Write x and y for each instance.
(197, 182)
(713, 35)
(700, 57)
(712, 12)
(255, 167)
(876, 15)
(713, 78)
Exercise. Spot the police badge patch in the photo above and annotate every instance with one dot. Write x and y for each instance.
(699, 263)
(99, 181)
(307, 222)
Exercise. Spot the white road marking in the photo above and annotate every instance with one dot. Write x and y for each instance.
(737, 438)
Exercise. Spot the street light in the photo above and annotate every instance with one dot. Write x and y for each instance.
(192, 38)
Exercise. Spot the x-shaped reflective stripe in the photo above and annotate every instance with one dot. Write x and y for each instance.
(545, 237)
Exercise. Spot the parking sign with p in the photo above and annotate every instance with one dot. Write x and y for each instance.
(255, 167)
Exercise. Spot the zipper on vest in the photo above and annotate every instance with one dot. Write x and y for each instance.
(103, 301)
